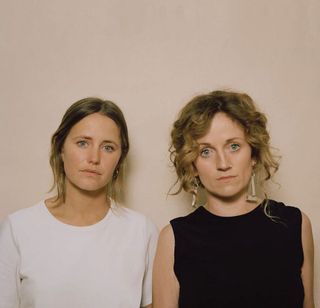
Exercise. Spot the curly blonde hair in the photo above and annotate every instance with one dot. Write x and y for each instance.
(75, 113)
(194, 121)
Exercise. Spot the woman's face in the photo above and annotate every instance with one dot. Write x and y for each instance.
(224, 164)
(91, 152)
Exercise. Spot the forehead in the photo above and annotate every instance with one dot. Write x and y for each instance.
(222, 128)
(96, 125)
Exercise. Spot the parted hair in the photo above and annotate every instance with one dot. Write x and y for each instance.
(194, 121)
(75, 113)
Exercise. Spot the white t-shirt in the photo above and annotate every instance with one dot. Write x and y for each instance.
(45, 263)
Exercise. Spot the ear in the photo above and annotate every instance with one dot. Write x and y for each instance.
(62, 154)
(195, 171)
(253, 162)
(115, 173)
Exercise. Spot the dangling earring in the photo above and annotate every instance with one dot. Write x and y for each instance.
(115, 173)
(252, 197)
(195, 192)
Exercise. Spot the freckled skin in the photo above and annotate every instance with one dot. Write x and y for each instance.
(91, 152)
(224, 164)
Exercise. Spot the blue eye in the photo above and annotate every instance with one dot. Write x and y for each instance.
(234, 147)
(82, 144)
(108, 148)
(206, 152)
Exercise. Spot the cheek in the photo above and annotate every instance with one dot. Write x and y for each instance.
(203, 167)
(111, 162)
(72, 159)
(244, 160)
(116, 161)
(247, 168)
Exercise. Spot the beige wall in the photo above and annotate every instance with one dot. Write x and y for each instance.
(150, 57)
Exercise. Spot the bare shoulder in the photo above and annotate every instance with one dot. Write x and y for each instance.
(165, 284)
(166, 242)
(307, 271)
(307, 237)
(166, 234)
(306, 229)
(305, 220)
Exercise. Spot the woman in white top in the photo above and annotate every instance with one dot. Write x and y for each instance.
(79, 249)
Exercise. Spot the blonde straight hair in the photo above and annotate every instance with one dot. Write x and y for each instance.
(75, 113)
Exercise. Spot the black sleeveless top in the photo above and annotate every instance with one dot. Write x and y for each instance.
(244, 261)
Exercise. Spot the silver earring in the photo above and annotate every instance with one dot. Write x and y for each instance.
(195, 192)
(252, 196)
(115, 173)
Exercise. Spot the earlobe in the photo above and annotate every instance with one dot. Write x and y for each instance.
(195, 171)
(115, 173)
(62, 155)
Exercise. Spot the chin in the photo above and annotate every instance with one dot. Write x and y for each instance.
(94, 187)
(228, 194)
(91, 188)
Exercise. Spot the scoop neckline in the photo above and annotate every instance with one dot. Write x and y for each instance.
(60, 223)
(252, 212)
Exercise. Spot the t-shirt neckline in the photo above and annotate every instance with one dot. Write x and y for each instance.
(62, 224)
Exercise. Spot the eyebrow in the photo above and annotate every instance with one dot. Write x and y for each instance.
(227, 141)
(90, 138)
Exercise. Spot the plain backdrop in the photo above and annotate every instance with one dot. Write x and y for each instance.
(151, 57)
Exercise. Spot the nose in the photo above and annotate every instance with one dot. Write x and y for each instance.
(223, 161)
(94, 155)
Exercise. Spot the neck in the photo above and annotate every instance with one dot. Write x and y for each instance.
(233, 206)
(85, 201)
(80, 207)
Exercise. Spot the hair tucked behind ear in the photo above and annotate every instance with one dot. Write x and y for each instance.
(73, 115)
(193, 123)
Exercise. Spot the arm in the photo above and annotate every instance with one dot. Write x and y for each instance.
(9, 260)
(308, 264)
(153, 233)
(165, 283)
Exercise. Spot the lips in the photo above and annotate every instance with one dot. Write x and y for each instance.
(90, 171)
(225, 178)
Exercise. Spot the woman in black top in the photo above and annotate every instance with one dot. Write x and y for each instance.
(237, 250)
